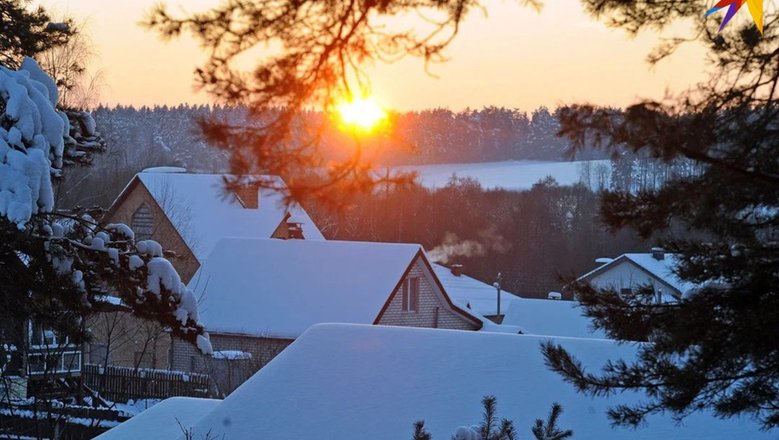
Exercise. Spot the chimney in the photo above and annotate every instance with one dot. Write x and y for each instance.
(248, 195)
(658, 253)
(294, 228)
(456, 269)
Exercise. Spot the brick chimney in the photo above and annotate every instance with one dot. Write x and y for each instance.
(658, 253)
(294, 227)
(248, 195)
(456, 269)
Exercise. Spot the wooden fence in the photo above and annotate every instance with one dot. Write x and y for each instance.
(120, 384)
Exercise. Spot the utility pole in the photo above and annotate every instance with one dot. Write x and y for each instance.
(496, 284)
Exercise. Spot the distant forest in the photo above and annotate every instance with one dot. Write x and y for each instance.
(532, 236)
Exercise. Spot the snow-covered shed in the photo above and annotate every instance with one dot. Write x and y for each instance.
(164, 420)
(188, 213)
(257, 295)
(473, 294)
(550, 318)
(633, 270)
(356, 381)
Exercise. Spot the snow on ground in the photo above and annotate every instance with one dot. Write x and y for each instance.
(163, 420)
(511, 175)
(550, 318)
(340, 381)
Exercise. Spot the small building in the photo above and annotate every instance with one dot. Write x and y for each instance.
(33, 357)
(630, 271)
(258, 295)
(342, 381)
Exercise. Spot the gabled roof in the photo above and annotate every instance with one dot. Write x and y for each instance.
(354, 381)
(271, 287)
(465, 291)
(550, 318)
(203, 212)
(662, 269)
(162, 420)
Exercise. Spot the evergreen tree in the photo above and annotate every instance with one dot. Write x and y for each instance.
(420, 433)
(491, 429)
(27, 32)
(56, 266)
(548, 430)
(717, 346)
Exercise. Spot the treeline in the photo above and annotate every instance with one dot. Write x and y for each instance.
(532, 237)
(418, 137)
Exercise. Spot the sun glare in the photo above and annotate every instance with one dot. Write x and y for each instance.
(361, 113)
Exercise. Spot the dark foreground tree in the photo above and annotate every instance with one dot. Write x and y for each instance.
(717, 347)
(27, 32)
(57, 267)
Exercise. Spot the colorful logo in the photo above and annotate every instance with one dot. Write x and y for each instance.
(755, 8)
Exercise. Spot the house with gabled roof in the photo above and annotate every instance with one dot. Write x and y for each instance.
(258, 295)
(188, 213)
(633, 270)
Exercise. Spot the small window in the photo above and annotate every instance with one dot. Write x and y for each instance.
(625, 291)
(142, 223)
(410, 295)
(41, 336)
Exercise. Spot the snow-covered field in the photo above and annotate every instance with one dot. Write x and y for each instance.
(511, 175)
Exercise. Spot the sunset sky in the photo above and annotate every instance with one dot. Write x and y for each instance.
(513, 57)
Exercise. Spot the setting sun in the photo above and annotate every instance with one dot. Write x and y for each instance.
(361, 113)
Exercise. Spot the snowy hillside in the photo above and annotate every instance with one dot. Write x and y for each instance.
(511, 175)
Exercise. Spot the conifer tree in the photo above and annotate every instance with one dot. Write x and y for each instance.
(548, 430)
(27, 32)
(717, 346)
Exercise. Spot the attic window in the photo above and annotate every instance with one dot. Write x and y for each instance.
(410, 295)
(143, 223)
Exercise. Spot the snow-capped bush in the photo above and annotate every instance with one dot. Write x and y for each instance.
(36, 141)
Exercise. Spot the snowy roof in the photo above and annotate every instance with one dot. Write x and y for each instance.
(278, 287)
(661, 269)
(465, 291)
(203, 212)
(162, 420)
(550, 318)
(343, 381)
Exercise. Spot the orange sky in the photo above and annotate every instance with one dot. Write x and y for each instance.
(514, 57)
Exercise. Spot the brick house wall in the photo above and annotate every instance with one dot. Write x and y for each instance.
(125, 340)
(433, 309)
(226, 375)
(163, 230)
